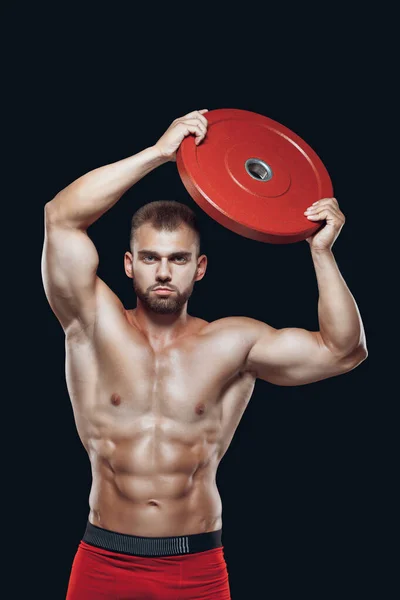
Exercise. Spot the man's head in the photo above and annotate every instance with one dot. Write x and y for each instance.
(165, 252)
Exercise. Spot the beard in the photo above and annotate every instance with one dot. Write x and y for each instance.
(168, 305)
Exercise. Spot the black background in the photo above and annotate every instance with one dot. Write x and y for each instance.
(303, 480)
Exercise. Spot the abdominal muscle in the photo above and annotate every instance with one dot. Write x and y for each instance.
(150, 486)
(143, 506)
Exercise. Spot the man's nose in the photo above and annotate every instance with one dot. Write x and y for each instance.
(164, 271)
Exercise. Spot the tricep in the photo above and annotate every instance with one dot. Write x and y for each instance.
(69, 264)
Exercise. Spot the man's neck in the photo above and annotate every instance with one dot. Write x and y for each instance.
(160, 329)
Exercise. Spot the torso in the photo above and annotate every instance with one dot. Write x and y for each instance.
(156, 422)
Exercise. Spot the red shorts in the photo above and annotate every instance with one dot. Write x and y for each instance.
(174, 571)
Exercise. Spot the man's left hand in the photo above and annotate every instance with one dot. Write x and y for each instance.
(325, 209)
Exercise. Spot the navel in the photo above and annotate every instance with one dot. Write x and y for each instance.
(200, 408)
(115, 399)
(153, 503)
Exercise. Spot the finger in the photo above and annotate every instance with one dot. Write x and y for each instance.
(195, 130)
(325, 214)
(196, 123)
(197, 117)
(194, 113)
(315, 211)
(321, 204)
(323, 201)
(202, 117)
(316, 216)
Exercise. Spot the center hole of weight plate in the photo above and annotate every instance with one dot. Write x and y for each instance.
(258, 169)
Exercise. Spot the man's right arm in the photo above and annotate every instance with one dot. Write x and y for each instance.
(70, 259)
(84, 201)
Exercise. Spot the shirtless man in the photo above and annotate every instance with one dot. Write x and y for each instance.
(157, 394)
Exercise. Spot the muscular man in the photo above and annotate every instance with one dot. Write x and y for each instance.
(157, 394)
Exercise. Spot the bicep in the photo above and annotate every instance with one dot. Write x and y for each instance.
(69, 266)
(294, 356)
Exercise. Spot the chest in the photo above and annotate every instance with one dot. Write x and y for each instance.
(121, 378)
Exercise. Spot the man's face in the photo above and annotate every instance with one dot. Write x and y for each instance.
(164, 259)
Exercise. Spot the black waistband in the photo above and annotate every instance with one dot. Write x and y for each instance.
(151, 546)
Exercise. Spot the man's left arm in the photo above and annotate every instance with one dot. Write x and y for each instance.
(294, 356)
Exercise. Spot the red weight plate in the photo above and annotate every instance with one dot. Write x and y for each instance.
(254, 176)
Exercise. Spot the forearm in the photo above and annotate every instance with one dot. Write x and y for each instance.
(90, 196)
(340, 322)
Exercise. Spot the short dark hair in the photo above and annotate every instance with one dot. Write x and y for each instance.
(165, 215)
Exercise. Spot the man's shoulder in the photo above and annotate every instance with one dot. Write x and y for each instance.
(245, 326)
(236, 336)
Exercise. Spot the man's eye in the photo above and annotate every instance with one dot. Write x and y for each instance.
(150, 257)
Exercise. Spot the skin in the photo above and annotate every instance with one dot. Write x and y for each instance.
(155, 428)
(157, 394)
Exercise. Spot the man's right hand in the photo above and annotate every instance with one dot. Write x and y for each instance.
(192, 123)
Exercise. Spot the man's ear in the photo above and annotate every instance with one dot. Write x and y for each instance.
(128, 264)
(201, 267)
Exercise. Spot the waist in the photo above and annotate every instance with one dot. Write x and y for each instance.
(151, 546)
(141, 514)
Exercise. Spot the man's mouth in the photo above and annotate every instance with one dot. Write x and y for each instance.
(163, 290)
